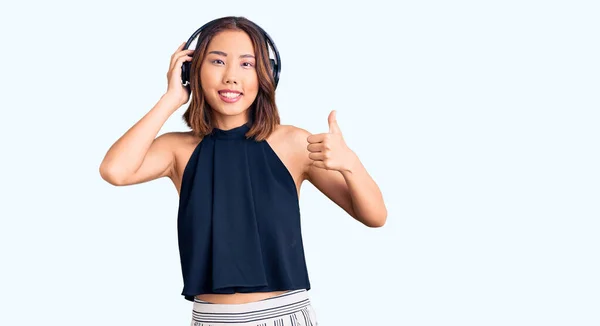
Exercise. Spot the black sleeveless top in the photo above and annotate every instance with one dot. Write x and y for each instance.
(238, 222)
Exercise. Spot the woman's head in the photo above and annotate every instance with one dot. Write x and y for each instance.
(231, 78)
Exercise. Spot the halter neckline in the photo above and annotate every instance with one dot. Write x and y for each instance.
(233, 133)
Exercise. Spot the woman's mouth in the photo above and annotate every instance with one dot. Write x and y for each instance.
(229, 96)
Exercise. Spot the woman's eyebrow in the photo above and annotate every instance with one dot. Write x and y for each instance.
(225, 54)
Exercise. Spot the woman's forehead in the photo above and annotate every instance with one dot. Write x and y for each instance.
(231, 41)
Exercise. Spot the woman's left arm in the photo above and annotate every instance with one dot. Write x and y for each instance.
(338, 173)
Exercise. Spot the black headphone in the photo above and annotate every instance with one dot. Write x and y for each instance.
(275, 63)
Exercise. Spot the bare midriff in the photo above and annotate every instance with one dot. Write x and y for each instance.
(237, 298)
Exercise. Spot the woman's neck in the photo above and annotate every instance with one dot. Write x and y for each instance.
(225, 122)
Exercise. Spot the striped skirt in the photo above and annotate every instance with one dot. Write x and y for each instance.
(292, 308)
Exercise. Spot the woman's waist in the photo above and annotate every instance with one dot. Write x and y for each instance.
(237, 298)
(294, 304)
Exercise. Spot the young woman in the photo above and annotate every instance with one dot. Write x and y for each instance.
(238, 173)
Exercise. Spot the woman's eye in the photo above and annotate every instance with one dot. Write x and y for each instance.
(248, 64)
(218, 61)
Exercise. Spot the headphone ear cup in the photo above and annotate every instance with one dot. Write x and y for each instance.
(185, 74)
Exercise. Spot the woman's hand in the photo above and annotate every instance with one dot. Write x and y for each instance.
(329, 150)
(175, 87)
(353, 189)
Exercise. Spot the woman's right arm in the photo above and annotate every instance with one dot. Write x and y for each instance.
(139, 156)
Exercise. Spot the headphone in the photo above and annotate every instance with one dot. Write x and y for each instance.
(275, 63)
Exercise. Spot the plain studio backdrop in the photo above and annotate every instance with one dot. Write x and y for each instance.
(478, 119)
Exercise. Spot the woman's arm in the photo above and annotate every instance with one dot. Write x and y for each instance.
(139, 156)
(338, 173)
(353, 190)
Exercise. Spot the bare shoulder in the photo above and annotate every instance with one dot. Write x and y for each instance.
(292, 137)
(176, 141)
(286, 133)
(179, 145)
(169, 140)
(180, 138)
(290, 143)
(183, 144)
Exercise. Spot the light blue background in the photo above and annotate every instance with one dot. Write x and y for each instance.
(478, 119)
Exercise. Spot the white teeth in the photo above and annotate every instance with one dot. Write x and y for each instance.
(230, 95)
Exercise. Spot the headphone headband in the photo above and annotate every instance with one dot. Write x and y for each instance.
(275, 63)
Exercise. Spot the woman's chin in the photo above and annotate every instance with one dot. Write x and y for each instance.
(231, 110)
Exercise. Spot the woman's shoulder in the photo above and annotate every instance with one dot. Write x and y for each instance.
(181, 143)
(179, 138)
(290, 134)
(290, 142)
(291, 137)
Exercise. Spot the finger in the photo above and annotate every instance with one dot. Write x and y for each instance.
(319, 164)
(177, 65)
(177, 59)
(178, 54)
(333, 126)
(316, 147)
(317, 156)
(181, 59)
(316, 138)
(181, 50)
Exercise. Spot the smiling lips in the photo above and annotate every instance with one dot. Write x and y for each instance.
(230, 96)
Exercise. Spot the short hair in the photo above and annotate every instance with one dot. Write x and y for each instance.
(263, 114)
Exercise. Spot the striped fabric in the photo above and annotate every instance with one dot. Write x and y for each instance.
(292, 308)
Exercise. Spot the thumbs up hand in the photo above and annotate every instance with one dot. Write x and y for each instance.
(329, 150)
(333, 125)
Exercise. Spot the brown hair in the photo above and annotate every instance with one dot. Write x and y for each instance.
(263, 113)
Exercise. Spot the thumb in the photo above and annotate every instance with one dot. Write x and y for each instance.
(333, 126)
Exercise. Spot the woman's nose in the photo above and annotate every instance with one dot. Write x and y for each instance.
(230, 76)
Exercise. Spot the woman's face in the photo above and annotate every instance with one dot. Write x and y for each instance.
(228, 73)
